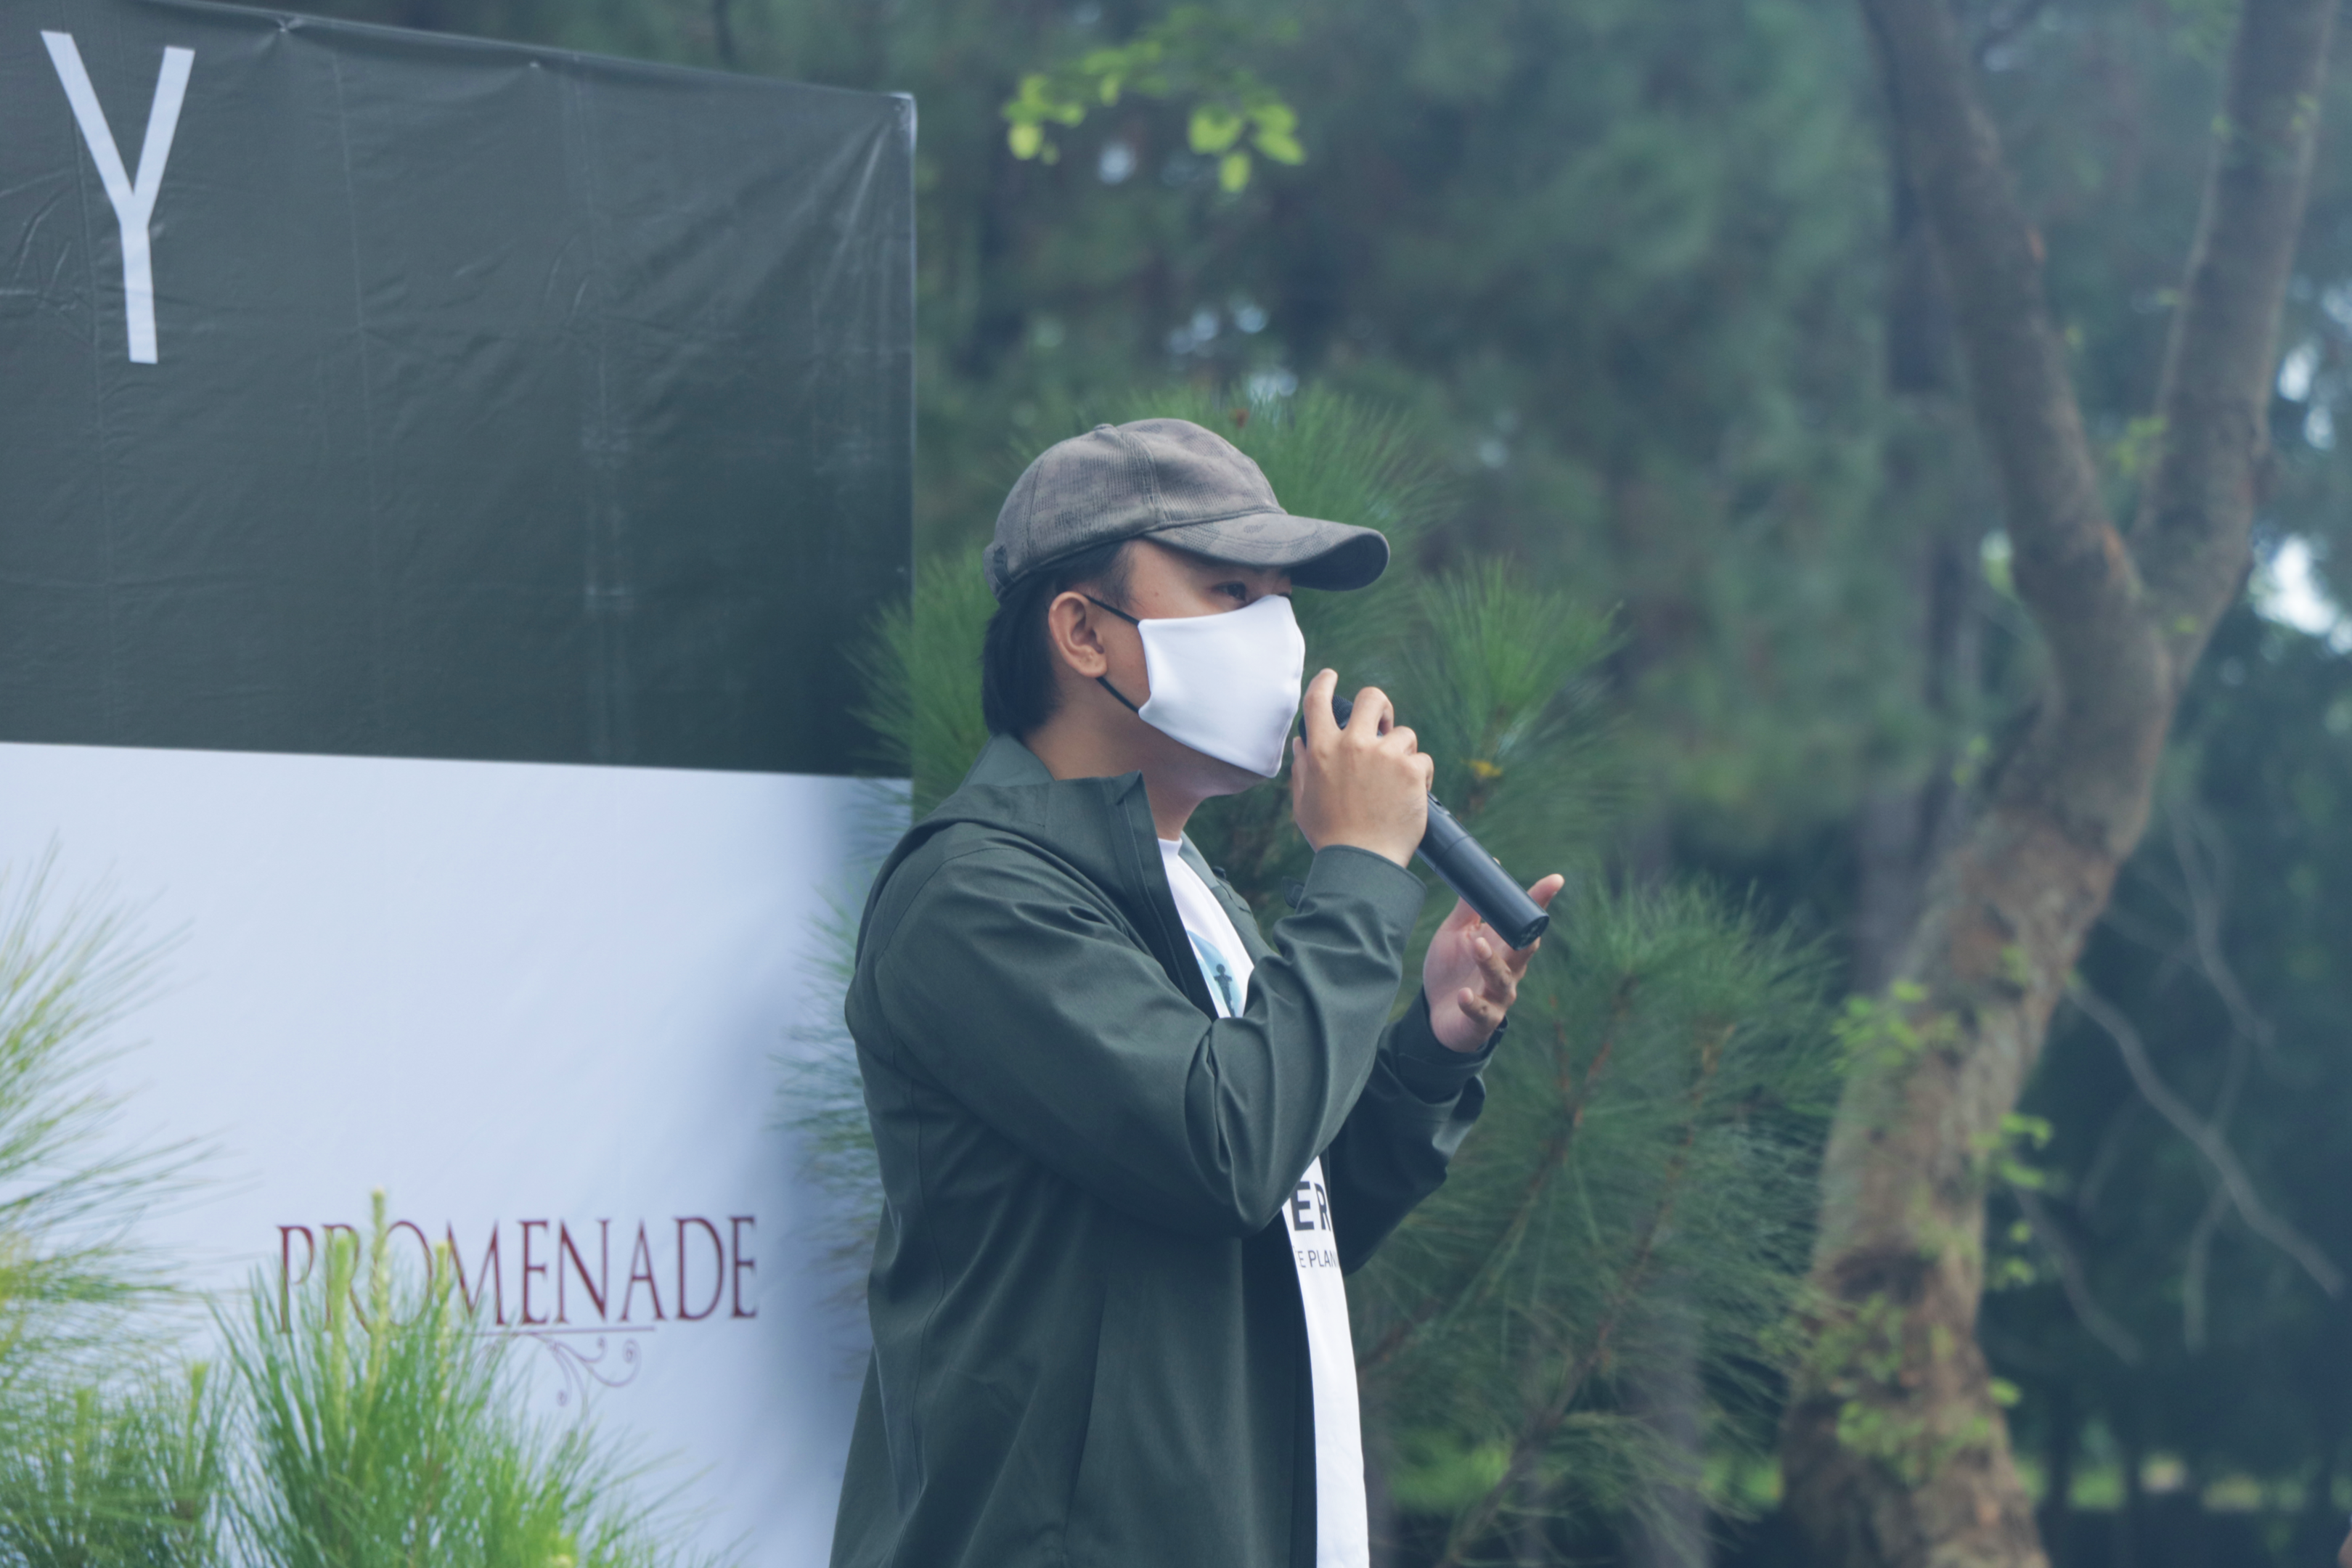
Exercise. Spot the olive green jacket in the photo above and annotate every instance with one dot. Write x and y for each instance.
(1089, 1346)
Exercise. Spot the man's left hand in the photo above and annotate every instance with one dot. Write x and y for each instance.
(1471, 978)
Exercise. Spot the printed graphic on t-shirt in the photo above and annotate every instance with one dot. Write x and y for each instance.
(1219, 972)
(1309, 1215)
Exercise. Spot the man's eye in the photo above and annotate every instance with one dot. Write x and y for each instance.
(1238, 590)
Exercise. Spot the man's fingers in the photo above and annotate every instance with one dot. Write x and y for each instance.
(1462, 916)
(1314, 707)
(1495, 964)
(1374, 712)
(1543, 893)
(1486, 1012)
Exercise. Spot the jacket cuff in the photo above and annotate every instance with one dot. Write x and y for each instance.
(1423, 1063)
(1350, 872)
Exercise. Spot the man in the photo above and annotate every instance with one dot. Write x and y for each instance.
(1127, 1146)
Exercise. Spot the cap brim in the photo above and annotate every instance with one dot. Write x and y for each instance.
(1317, 554)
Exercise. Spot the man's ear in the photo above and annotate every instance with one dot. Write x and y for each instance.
(1073, 628)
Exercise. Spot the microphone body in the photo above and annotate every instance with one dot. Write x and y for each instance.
(1463, 864)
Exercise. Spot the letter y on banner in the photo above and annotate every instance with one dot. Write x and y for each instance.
(133, 199)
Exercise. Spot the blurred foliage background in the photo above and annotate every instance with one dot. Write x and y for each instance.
(1639, 281)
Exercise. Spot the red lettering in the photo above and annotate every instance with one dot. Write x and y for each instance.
(352, 1285)
(733, 1280)
(423, 1246)
(719, 1269)
(735, 1222)
(563, 1248)
(491, 1281)
(285, 1280)
(530, 1269)
(642, 1254)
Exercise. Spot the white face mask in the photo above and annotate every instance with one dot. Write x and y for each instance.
(1226, 685)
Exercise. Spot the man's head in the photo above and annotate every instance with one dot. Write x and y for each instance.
(1160, 518)
(1082, 650)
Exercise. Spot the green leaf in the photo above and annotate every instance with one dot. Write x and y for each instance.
(1233, 171)
(2021, 1129)
(1214, 129)
(1025, 139)
(1280, 146)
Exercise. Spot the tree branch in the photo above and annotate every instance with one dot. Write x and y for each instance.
(2095, 1320)
(2206, 1140)
(2194, 516)
(2081, 585)
(1536, 1434)
(2193, 1272)
(2067, 558)
(2196, 1266)
(2191, 848)
(2106, 1160)
(1480, 1281)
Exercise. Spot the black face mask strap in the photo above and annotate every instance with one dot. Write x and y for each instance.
(1104, 681)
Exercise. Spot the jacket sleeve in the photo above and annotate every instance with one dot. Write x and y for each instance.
(1393, 1149)
(1027, 1001)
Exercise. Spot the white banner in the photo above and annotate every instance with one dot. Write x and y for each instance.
(539, 1005)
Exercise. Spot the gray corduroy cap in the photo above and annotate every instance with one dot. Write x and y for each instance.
(1170, 481)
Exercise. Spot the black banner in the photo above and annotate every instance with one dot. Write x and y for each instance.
(364, 392)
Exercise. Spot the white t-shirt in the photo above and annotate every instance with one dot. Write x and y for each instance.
(1341, 1537)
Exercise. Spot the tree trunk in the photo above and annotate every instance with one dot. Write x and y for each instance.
(1894, 1450)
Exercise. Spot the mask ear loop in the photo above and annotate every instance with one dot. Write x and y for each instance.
(1103, 680)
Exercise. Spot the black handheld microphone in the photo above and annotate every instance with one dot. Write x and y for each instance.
(1463, 864)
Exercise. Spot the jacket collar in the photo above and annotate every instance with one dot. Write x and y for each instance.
(1004, 760)
(1099, 829)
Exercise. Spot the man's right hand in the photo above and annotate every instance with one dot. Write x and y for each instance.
(1365, 785)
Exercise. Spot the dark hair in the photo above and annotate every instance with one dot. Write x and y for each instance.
(1016, 662)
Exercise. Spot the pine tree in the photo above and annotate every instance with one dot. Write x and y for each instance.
(377, 1428)
(107, 1454)
(380, 1427)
